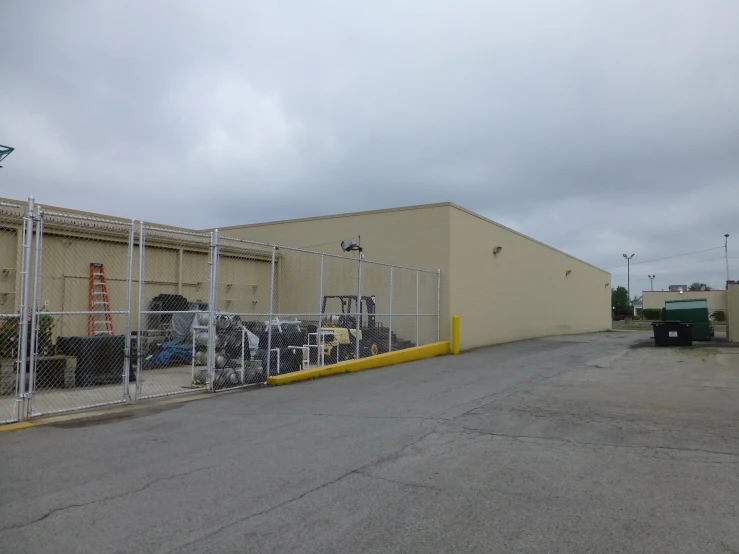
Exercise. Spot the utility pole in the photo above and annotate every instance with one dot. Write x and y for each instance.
(628, 275)
(651, 278)
(726, 255)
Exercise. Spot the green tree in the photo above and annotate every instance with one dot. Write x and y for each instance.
(699, 286)
(619, 298)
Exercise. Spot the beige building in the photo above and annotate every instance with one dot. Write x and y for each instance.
(732, 311)
(503, 285)
(655, 299)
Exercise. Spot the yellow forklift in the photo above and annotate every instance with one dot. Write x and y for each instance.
(339, 329)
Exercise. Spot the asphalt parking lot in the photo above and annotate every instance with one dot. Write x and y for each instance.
(578, 444)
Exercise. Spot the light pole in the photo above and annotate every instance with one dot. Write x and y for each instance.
(628, 275)
(726, 255)
(5, 152)
(651, 278)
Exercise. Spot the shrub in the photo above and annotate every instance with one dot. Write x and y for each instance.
(653, 314)
(664, 314)
(719, 315)
(619, 314)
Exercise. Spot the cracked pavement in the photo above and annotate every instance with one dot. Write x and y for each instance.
(588, 443)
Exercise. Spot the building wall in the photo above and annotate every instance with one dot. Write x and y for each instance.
(9, 269)
(522, 292)
(171, 267)
(732, 311)
(654, 299)
(11, 230)
(412, 237)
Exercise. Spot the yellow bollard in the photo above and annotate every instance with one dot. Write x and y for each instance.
(455, 334)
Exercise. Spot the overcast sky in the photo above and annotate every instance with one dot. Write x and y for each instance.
(600, 128)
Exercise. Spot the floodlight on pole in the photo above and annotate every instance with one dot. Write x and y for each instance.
(651, 278)
(726, 255)
(5, 152)
(628, 275)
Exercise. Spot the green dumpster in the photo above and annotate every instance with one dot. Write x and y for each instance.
(693, 310)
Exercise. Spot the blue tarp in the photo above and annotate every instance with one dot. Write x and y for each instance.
(170, 353)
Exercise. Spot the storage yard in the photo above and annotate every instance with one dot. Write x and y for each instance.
(114, 302)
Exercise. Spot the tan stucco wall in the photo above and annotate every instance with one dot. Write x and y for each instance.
(414, 237)
(523, 291)
(175, 264)
(653, 299)
(11, 227)
(732, 311)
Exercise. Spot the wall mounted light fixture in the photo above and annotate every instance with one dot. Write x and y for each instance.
(497, 250)
(568, 272)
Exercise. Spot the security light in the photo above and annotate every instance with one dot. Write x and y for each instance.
(497, 249)
(5, 152)
(350, 244)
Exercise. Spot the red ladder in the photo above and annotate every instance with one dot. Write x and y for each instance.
(99, 303)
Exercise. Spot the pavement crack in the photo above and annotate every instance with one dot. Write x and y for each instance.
(345, 416)
(525, 438)
(359, 470)
(100, 500)
(401, 483)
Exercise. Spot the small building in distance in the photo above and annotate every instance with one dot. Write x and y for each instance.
(655, 299)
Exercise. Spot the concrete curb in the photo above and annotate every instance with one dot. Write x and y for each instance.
(101, 412)
(373, 362)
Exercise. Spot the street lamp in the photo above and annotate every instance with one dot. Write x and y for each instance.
(628, 275)
(726, 255)
(5, 152)
(651, 278)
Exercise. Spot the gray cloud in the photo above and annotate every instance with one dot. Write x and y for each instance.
(599, 128)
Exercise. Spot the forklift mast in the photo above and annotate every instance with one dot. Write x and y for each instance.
(348, 309)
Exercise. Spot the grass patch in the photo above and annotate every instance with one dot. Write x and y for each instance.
(700, 351)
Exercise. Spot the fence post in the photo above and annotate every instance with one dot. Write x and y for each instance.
(212, 299)
(390, 325)
(139, 319)
(359, 305)
(319, 336)
(25, 292)
(438, 305)
(417, 312)
(129, 292)
(34, 314)
(271, 310)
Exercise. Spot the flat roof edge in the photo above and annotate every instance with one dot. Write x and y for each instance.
(505, 228)
(337, 216)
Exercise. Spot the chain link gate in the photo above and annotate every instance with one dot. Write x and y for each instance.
(80, 313)
(102, 311)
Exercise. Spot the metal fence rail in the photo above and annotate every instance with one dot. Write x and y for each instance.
(103, 311)
(12, 230)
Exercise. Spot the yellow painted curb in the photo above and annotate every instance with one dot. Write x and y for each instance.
(372, 362)
(16, 426)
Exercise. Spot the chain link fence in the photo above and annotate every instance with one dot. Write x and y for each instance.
(81, 310)
(172, 329)
(104, 311)
(12, 231)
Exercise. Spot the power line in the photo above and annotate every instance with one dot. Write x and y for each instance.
(668, 257)
(692, 263)
(696, 262)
